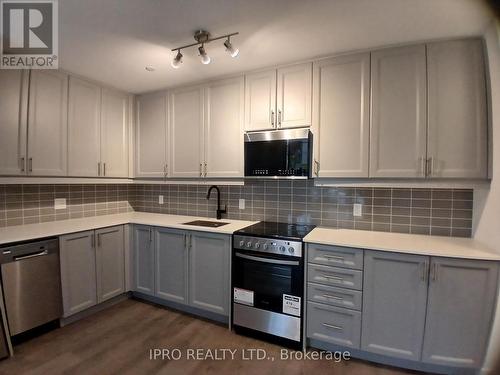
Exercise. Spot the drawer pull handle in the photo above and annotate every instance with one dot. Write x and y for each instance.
(333, 257)
(332, 297)
(332, 326)
(333, 277)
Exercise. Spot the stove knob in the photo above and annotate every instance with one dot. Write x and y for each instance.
(242, 243)
(257, 245)
(264, 246)
(291, 250)
(282, 249)
(249, 244)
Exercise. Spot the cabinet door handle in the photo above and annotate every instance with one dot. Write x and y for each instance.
(23, 164)
(272, 118)
(332, 277)
(279, 118)
(205, 169)
(424, 271)
(166, 170)
(30, 165)
(98, 168)
(185, 241)
(430, 166)
(332, 297)
(98, 240)
(92, 240)
(150, 235)
(201, 169)
(434, 272)
(332, 326)
(104, 169)
(423, 169)
(316, 168)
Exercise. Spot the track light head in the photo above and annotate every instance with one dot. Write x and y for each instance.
(230, 49)
(177, 61)
(205, 59)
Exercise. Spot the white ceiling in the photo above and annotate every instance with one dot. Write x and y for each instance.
(113, 40)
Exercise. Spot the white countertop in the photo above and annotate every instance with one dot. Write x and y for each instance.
(56, 228)
(452, 247)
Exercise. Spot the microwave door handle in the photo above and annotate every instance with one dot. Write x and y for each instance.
(268, 260)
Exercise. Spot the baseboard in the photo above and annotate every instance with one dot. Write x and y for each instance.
(92, 310)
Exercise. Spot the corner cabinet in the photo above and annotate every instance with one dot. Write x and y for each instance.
(341, 115)
(184, 267)
(279, 98)
(457, 109)
(459, 311)
(151, 136)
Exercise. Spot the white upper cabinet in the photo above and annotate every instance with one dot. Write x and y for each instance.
(260, 100)
(114, 134)
(457, 109)
(13, 110)
(341, 115)
(84, 127)
(398, 114)
(294, 89)
(186, 132)
(48, 123)
(279, 98)
(151, 135)
(224, 107)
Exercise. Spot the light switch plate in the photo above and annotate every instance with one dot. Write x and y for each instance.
(357, 209)
(242, 204)
(160, 199)
(59, 203)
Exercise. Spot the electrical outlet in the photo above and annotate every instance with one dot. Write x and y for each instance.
(357, 209)
(59, 203)
(160, 199)
(242, 204)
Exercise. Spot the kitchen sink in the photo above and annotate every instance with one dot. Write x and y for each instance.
(206, 223)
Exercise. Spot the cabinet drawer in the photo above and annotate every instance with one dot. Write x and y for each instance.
(334, 296)
(335, 325)
(335, 276)
(338, 256)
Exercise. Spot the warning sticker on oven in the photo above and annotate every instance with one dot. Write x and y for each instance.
(291, 305)
(243, 296)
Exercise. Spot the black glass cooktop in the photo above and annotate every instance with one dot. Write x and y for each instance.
(277, 230)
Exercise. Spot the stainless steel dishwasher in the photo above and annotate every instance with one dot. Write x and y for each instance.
(31, 284)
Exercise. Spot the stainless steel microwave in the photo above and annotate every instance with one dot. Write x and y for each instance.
(280, 153)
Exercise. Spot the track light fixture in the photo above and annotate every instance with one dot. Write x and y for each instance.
(203, 37)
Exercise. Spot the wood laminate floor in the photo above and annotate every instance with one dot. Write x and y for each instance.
(118, 341)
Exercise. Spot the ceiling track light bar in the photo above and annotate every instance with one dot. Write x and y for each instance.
(203, 37)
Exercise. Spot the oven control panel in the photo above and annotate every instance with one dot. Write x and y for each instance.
(268, 245)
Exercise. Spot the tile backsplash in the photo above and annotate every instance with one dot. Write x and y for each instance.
(445, 212)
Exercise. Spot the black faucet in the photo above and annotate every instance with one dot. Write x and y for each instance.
(219, 211)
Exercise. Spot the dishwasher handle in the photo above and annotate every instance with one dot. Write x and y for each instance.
(34, 255)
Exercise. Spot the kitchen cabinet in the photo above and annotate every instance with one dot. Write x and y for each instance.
(341, 115)
(186, 145)
(209, 271)
(78, 272)
(14, 86)
(33, 139)
(84, 126)
(110, 262)
(47, 124)
(457, 109)
(144, 260)
(279, 98)
(459, 311)
(171, 264)
(224, 114)
(394, 304)
(398, 112)
(114, 133)
(92, 268)
(151, 136)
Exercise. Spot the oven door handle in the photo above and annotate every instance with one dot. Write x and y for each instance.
(269, 260)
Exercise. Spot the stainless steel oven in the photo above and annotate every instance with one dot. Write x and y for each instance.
(268, 288)
(283, 153)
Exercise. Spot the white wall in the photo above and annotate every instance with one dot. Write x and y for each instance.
(487, 201)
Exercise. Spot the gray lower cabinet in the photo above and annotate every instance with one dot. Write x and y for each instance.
(110, 262)
(209, 272)
(171, 264)
(394, 303)
(144, 260)
(460, 311)
(78, 272)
